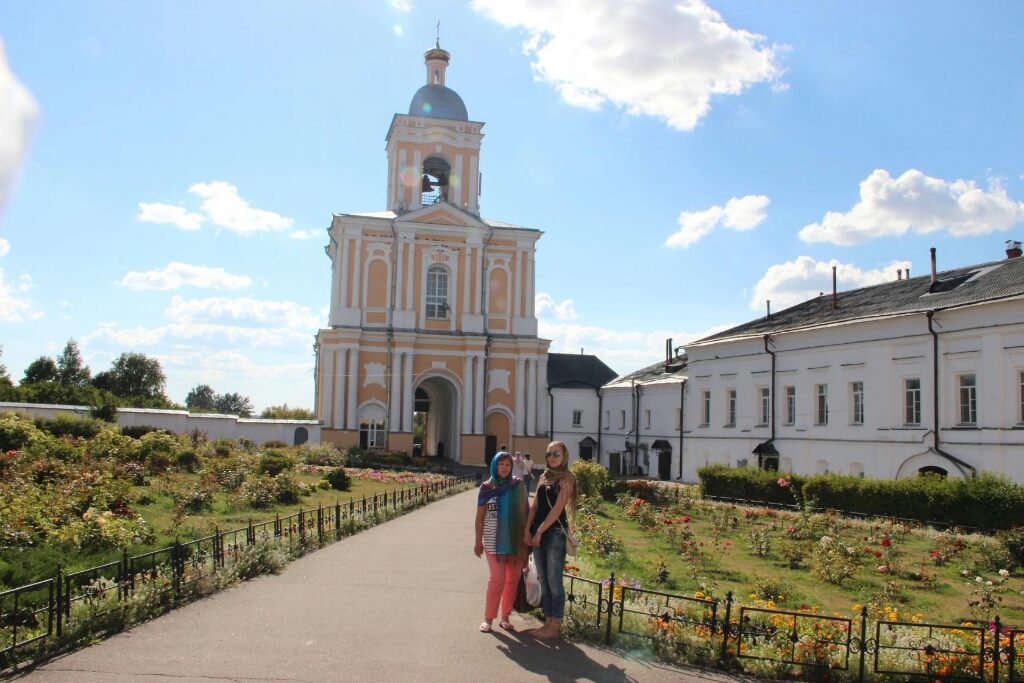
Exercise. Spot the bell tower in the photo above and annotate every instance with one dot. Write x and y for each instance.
(434, 150)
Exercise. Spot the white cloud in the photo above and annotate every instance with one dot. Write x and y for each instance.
(165, 213)
(5, 247)
(25, 283)
(891, 207)
(13, 307)
(193, 331)
(740, 213)
(177, 274)
(244, 310)
(547, 309)
(401, 5)
(228, 364)
(302, 234)
(18, 115)
(227, 210)
(660, 59)
(787, 284)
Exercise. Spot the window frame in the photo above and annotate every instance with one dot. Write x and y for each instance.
(857, 402)
(821, 404)
(705, 407)
(577, 418)
(647, 418)
(764, 406)
(436, 306)
(971, 405)
(622, 419)
(730, 407)
(911, 402)
(790, 405)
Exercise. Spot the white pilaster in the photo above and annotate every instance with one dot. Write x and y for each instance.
(473, 186)
(467, 394)
(397, 246)
(345, 275)
(357, 299)
(478, 397)
(531, 397)
(517, 275)
(408, 399)
(457, 190)
(410, 305)
(399, 174)
(395, 409)
(520, 390)
(466, 278)
(530, 284)
(417, 196)
(478, 282)
(352, 396)
(542, 386)
(327, 386)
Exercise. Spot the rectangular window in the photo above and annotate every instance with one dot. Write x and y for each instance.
(857, 399)
(968, 399)
(764, 406)
(912, 401)
(821, 412)
(607, 419)
(622, 419)
(577, 418)
(371, 433)
(730, 408)
(791, 405)
(647, 419)
(437, 292)
(705, 408)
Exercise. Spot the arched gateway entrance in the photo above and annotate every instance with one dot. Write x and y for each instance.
(438, 400)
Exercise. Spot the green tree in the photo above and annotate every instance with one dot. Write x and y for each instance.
(133, 375)
(201, 397)
(71, 369)
(42, 369)
(234, 404)
(283, 412)
(7, 390)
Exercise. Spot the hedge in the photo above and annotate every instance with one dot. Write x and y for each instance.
(988, 501)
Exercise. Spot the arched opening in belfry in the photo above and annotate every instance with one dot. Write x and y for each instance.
(435, 417)
(436, 180)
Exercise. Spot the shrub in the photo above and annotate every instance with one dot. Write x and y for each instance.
(338, 479)
(751, 484)
(16, 432)
(323, 454)
(222, 447)
(591, 478)
(275, 443)
(835, 562)
(274, 462)
(772, 588)
(188, 460)
(229, 473)
(159, 444)
(138, 431)
(113, 445)
(259, 491)
(287, 488)
(1013, 541)
(65, 425)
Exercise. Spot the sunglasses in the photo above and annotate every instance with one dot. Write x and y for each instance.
(552, 454)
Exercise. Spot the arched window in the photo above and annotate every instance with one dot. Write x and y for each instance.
(437, 293)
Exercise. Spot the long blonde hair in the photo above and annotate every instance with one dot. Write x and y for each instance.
(562, 475)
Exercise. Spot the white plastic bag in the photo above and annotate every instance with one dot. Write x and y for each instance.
(531, 582)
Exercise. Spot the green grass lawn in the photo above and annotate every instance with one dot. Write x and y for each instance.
(725, 561)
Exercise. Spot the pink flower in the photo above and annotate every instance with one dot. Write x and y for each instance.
(783, 482)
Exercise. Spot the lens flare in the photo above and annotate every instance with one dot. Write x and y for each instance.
(453, 180)
(410, 176)
(427, 108)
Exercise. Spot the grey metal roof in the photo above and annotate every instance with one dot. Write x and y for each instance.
(657, 371)
(438, 102)
(958, 287)
(576, 371)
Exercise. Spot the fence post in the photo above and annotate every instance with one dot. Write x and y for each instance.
(337, 519)
(364, 507)
(863, 640)
(995, 653)
(302, 526)
(611, 603)
(60, 601)
(175, 556)
(320, 524)
(726, 625)
(125, 572)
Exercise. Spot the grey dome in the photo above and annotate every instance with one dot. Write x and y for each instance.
(438, 102)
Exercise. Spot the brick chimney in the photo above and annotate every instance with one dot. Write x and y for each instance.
(1013, 249)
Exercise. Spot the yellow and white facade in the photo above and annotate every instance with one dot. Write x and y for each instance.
(432, 307)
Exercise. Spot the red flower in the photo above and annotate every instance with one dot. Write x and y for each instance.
(886, 543)
(686, 519)
(878, 553)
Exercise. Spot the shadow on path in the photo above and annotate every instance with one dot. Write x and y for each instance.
(559, 660)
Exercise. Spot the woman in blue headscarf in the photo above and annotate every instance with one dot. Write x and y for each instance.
(500, 523)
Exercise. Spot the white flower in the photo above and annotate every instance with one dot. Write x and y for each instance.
(825, 541)
(988, 583)
(1004, 573)
(979, 579)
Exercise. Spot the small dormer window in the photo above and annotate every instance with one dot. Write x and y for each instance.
(437, 76)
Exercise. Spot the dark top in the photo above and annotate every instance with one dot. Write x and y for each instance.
(547, 496)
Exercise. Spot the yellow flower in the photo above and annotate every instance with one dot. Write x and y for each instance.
(781, 598)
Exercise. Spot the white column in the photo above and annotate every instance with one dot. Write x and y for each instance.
(479, 279)
(531, 397)
(326, 386)
(457, 190)
(467, 395)
(410, 268)
(478, 397)
(417, 196)
(466, 271)
(398, 274)
(395, 382)
(530, 285)
(520, 390)
(345, 274)
(517, 275)
(407, 396)
(542, 386)
(357, 301)
(352, 396)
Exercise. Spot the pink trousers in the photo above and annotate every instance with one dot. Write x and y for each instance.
(503, 584)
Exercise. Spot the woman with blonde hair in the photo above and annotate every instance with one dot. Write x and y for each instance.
(500, 526)
(547, 525)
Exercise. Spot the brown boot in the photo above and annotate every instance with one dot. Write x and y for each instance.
(534, 631)
(549, 631)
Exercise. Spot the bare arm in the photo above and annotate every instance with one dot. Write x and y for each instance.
(552, 519)
(478, 547)
(527, 537)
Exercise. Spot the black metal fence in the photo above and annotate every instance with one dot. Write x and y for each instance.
(91, 597)
(724, 633)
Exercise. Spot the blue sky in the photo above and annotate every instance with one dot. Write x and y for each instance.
(177, 173)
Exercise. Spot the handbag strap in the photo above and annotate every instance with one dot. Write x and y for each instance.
(547, 494)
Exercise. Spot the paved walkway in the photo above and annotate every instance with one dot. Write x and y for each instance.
(399, 602)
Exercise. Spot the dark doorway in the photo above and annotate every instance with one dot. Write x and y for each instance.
(615, 464)
(664, 465)
(490, 448)
(587, 448)
(301, 436)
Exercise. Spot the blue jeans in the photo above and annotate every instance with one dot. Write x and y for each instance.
(549, 557)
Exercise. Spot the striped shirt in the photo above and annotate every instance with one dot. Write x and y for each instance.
(491, 526)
